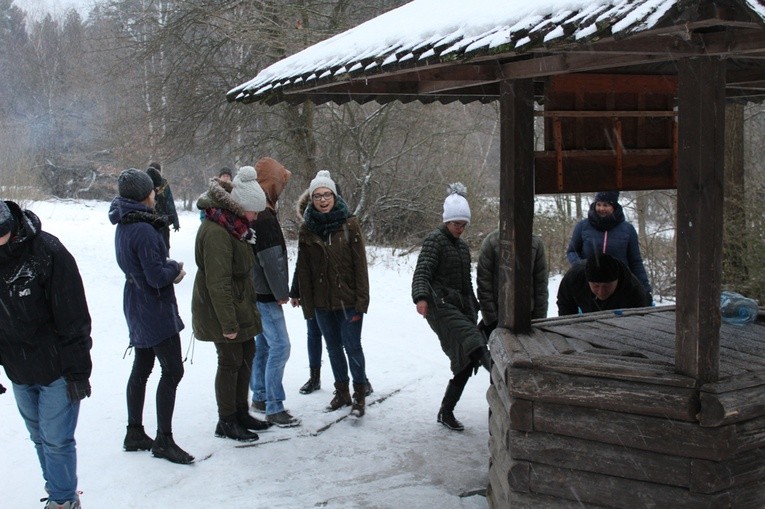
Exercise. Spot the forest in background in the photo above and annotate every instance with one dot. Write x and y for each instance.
(132, 81)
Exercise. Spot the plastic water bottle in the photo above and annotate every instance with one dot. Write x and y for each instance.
(737, 309)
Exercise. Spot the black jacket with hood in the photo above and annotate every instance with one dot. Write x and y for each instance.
(44, 319)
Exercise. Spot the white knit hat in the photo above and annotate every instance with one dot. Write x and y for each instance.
(247, 192)
(322, 179)
(456, 206)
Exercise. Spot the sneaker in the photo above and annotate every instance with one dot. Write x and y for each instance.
(283, 419)
(446, 417)
(71, 504)
(259, 407)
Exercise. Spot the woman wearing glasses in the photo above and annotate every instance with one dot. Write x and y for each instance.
(442, 290)
(334, 286)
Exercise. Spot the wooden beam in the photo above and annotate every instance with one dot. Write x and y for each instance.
(516, 204)
(701, 161)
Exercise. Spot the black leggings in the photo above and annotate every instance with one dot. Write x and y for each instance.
(169, 354)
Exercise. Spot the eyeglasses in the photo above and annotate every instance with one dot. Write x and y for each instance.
(323, 196)
(458, 225)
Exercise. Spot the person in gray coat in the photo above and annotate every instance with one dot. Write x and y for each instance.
(442, 290)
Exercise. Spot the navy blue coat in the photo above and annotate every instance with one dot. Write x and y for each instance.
(612, 235)
(149, 297)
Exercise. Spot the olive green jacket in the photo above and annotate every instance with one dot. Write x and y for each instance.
(224, 296)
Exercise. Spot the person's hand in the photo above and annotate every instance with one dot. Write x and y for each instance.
(422, 307)
(356, 317)
(282, 301)
(77, 390)
(2, 389)
(295, 303)
(179, 277)
(176, 228)
(230, 335)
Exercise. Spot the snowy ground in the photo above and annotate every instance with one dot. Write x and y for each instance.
(395, 456)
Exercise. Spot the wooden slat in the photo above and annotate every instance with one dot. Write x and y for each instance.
(586, 488)
(645, 399)
(597, 457)
(647, 433)
(606, 113)
(737, 405)
(712, 476)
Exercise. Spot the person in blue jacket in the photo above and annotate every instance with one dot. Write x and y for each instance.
(151, 311)
(606, 231)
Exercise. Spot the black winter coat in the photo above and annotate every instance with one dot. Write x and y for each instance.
(44, 318)
(574, 292)
(442, 277)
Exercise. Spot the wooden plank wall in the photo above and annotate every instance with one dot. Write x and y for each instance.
(585, 429)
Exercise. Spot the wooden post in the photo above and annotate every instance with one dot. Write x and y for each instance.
(516, 204)
(701, 162)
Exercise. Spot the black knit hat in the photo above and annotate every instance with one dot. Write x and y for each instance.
(156, 177)
(6, 219)
(134, 184)
(611, 197)
(226, 171)
(602, 268)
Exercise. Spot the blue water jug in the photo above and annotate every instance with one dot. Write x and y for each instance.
(737, 309)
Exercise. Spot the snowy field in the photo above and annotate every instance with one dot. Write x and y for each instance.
(396, 456)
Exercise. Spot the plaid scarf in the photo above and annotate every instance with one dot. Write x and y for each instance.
(237, 226)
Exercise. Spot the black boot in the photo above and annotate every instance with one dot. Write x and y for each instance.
(369, 390)
(251, 423)
(229, 427)
(136, 439)
(359, 400)
(446, 417)
(313, 383)
(165, 447)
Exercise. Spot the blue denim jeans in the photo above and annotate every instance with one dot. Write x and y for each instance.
(272, 349)
(341, 333)
(314, 343)
(51, 420)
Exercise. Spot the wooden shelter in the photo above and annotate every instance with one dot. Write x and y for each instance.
(656, 407)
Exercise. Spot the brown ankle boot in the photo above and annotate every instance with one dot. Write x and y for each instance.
(359, 399)
(342, 396)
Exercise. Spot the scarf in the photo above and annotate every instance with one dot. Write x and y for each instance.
(604, 224)
(237, 226)
(324, 224)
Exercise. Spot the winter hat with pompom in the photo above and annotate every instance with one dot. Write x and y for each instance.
(247, 192)
(134, 184)
(456, 206)
(322, 179)
(6, 219)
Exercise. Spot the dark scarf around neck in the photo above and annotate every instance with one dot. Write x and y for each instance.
(324, 224)
(604, 224)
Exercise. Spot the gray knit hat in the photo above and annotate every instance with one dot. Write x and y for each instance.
(456, 207)
(6, 219)
(322, 179)
(247, 192)
(134, 184)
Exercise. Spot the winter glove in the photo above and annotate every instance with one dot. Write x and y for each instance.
(176, 228)
(77, 390)
(180, 275)
(2, 389)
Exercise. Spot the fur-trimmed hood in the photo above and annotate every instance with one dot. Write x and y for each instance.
(218, 195)
(302, 204)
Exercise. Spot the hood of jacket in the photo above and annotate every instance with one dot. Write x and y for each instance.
(302, 203)
(273, 178)
(28, 226)
(218, 195)
(121, 207)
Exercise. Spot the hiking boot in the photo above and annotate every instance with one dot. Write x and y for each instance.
(446, 417)
(71, 504)
(165, 447)
(283, 419)
(259, 407)
(229, 427)
(136, 439)
(342, 396)
(369, 390)
(359, 399)
(249, 422)
(313, 383)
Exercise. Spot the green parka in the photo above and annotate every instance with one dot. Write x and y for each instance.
(224, 296)
(442, 277)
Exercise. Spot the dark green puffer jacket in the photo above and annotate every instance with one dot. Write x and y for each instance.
(224, 296)
(442, 277)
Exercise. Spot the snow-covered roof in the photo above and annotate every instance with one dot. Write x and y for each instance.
(426, 34)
